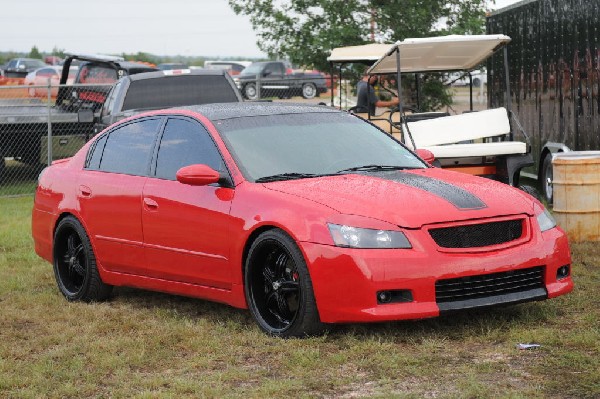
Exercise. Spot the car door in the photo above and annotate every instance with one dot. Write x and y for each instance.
(110, 193)
(274, 82)
(186, 227)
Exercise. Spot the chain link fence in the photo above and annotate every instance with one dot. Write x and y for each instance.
(34, 131)
(40, 123)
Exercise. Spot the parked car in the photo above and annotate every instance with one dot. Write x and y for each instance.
(40, 76)
(304, 214)
(478, 77)
(20, 67)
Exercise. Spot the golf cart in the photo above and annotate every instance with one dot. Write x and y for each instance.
(480, 143)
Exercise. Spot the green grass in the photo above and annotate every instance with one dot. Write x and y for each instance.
(150, 345)
(18, 179)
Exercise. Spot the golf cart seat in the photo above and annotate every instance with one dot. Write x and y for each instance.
(445, 137)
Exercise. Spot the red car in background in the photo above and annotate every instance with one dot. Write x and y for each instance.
(39, 78)
(304, 214)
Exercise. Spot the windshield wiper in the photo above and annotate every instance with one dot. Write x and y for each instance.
(373, 168)
(286, 176)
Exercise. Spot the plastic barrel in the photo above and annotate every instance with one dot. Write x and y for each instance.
(576, 191)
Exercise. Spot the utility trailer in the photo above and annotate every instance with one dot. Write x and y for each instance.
(555, 77)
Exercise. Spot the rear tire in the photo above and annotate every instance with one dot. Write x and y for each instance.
(547, 176)
(278, 287)
(75, 268)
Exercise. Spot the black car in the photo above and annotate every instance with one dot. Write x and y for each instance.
(20, 67)
(94, 80)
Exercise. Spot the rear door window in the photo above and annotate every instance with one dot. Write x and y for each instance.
(128, 148)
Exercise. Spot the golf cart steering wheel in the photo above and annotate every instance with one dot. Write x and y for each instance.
(397, 109)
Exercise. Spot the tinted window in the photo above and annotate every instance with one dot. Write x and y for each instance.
(128, 148)
(185, 142)
(96, 153)
(315, 143)
(174, 91)
(91, 73)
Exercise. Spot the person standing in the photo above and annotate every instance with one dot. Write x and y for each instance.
(367, 100)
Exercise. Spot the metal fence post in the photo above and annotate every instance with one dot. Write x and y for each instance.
(258, 86)
(49, 139)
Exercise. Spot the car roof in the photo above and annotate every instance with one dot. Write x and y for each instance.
(223, 111)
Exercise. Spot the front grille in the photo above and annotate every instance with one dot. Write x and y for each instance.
(502, 286)
(478, 235)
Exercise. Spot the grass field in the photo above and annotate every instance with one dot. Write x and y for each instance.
(150, 345)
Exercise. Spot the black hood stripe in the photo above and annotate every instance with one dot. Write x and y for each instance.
(457, 196)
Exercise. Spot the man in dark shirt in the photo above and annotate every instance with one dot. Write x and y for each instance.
(367, 100)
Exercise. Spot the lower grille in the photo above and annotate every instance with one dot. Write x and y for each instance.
(491, 289)
(478, 235)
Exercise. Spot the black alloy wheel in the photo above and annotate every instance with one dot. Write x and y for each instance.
(278, 287)
(75, 264)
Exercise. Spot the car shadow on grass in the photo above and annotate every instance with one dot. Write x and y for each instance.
(456, 325)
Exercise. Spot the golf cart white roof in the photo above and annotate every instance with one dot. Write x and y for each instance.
(365, 53)
(442, 53)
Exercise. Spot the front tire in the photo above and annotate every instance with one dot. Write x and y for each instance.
(279, 289)
(75, 268)
(250, 91)
(309, 90)
(547, 177)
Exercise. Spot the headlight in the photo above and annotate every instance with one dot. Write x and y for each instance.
(354, 237)
(546, 221)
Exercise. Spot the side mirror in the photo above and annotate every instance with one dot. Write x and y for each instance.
(198, 175)
(426, 156)
(266, 73)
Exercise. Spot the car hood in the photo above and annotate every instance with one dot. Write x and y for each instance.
(413, 198)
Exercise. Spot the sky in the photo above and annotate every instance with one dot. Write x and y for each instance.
(166, 27)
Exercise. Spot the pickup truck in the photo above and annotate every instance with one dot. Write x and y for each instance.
(276, 78)
(164, 89)
(24, 128)
(97, 73)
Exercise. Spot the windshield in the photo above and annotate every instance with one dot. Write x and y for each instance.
(311, 144)
(253, 69)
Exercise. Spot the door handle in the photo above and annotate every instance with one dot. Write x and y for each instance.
(85, 191)
(150, 204)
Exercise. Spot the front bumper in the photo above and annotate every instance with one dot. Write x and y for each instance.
(347, 281)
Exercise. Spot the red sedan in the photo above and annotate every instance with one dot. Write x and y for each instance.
(304, 215)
